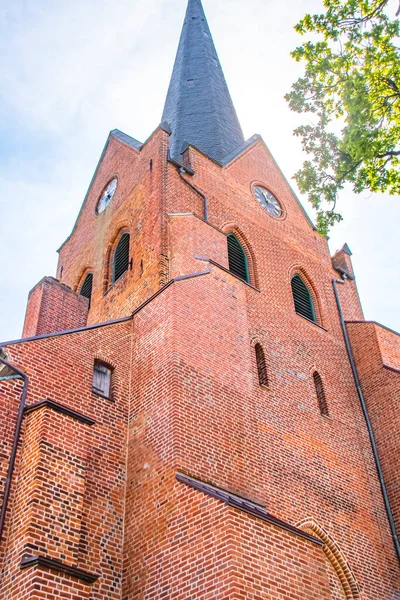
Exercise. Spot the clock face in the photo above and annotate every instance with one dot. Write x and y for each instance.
(107, 196)
(268, 201)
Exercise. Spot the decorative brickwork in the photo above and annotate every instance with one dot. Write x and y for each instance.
(336, 558)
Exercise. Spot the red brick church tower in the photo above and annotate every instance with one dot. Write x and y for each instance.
(197, 409)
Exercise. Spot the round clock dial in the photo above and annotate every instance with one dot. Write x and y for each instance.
(268, 201)
(107, 196)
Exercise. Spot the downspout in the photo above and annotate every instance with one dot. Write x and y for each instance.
(181, 168)
(17, 433)
(367, 419)
(181, 171)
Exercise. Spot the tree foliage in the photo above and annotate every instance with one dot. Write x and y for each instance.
(352, 76)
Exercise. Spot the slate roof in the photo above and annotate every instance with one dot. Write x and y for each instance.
(126, 139)
(198, 107)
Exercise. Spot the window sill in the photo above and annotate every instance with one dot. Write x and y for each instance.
(109, 398)
(267, 388)
(114, 285)
(312, 322)
(212, 262)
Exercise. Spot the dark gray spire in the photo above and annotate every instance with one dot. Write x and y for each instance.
(199, 108)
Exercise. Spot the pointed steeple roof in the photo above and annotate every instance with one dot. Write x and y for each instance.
(199, 108)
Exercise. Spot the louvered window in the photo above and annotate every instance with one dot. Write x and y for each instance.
(319, 388)
(86, 289)
(121, 257)
(261, 365)
(102, 379)
(238, 264)
(303, 302)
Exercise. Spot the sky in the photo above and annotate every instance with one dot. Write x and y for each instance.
(72, 71)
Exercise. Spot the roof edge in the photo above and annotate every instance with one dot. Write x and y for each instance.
(45, 336)
(245, 505)
(360, 322)
(246, 146)
(129, 142)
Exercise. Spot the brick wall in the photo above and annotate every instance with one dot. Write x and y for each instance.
(197, 406)
(53, 306)
(136, 208)
(187, 398)
(375, 349)
(67, 495)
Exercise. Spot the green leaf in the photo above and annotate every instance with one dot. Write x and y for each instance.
(351, 81)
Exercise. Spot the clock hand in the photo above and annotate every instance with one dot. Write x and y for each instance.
(266, 197)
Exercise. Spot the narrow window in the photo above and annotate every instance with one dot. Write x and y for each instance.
(319, 388)
(261, 365)
(101, 379)
(121, 257)
(303, 302)
(238, 264)
(86, 289)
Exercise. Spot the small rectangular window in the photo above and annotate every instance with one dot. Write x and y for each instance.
(102, 379)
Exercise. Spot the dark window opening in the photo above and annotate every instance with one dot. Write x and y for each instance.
(261, 365)
(121, 257)
(319, 388)
(238, 264)
(86, 289)
(303, 301)
(102, 379)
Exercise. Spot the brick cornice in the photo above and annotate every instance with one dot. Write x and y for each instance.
(57, 566)
(247, 506)
(60, 408)
(390, 368)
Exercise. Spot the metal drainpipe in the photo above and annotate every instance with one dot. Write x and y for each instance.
(181, 168)
(15, 441)
(181, 171)
(367, 419)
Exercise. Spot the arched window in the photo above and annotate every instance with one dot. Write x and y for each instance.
(121, 257)
(319, 388)
(261, 365)
(86, 289)
(303, 301)
(238, 264)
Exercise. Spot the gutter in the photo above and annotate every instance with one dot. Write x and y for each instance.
(17, 434)
(367, 419)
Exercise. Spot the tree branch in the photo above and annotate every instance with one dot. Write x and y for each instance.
(354, 21)
(390, 153)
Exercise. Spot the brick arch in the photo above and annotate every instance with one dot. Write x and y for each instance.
(311, 288)
(250, 255)
(336, 558)
(103, 358)
(260, 341)
(82, 277)
(118, 231)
